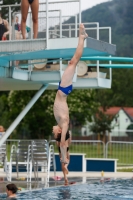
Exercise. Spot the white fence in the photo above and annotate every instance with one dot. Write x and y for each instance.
(123, 151)
(92, 148)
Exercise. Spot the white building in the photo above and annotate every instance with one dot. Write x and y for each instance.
(123, 117)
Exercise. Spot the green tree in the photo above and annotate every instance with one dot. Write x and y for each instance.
(37, 122)
(4, 109)
(121, 92)
(102, 123)
(82, 105)
(5, 11)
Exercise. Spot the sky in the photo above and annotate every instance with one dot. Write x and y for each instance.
(85, 4)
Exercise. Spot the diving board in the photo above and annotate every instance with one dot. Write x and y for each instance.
(59, 48)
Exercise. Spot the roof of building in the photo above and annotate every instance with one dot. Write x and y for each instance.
(111, 110)
(114, 110)
(129, 111)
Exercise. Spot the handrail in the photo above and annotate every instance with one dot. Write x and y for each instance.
(10, 6)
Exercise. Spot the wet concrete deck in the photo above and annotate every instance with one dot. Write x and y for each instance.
(73, 177)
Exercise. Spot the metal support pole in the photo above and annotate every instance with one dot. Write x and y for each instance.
(60, 24)
(10, 20)
(98, 60)
(30, 34)
(80, 17)
(76, 24)
(97, 31)
(47, 25)
(110, 62)
(22, 114)
(13, 27)
(69, 31)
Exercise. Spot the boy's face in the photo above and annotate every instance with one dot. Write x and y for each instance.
(1, 129)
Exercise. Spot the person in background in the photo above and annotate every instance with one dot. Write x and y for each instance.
(4, 28)
(2, 147)
(68, 139)
(11, 190)
(17, 27)
(25, 4)
(2, 131)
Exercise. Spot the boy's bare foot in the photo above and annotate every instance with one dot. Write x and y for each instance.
(82, 32)
(66, 182)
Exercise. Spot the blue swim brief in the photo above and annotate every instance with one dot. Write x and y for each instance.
(67, 90)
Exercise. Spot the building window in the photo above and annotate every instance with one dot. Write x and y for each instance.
(116, 120)
(126, 119)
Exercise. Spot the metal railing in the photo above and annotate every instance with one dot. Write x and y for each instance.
(28, 154)
(15, 142)
(98, 149)
(60, 29)
(46, 3)
(123, 151)
(92, 148)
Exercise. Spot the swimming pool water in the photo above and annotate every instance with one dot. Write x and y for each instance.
(119, 189)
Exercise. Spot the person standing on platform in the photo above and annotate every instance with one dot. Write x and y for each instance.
(61, 111)
(4, 28)
(25, 4)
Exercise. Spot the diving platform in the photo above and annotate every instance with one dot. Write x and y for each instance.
(58, 46)
(30, 78)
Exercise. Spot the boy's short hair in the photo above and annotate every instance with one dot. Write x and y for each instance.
(12, 187)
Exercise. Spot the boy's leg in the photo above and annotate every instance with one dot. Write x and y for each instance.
(64, 173)
(63, 148)
(66, 167)
(70, 70)
(68, 161)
